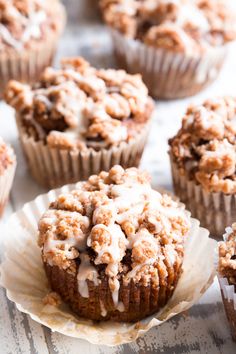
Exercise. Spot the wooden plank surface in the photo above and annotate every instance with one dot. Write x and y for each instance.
(204, 329)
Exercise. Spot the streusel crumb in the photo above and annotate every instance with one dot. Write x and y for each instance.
(204, 148)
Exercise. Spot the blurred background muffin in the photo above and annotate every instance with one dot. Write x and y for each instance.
(78, 120)
(178, 46)
(29, 33)
(203, 159)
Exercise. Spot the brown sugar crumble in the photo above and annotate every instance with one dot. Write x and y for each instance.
(24, 23)
(204, 149)
(80, 107)
(180, 25)
(116, 226)
(227, 255)
(7, 157)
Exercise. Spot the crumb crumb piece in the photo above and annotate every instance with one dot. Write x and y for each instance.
(52, 299)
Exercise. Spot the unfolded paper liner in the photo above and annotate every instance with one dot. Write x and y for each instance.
(23, 276)
(6, 180)
(214, 210)
(168, 74)
(229, 300)
(54, 167)
(27, 65)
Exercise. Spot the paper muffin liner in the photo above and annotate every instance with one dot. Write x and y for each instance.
(214, 210)
(167, 74)
(24, 278)
(27, 65)
(6, 181)
(54, 167)
(229, 300)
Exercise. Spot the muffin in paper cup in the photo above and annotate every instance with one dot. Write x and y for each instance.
(26, 50)
(175, 46)
(82, 121)
(28, 289)
(202, 160)
(227, 276)
(7, 173)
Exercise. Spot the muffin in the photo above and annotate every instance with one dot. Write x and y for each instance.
(78, 120)
(7, 172)
(178, 46)
(203, 160)
(29, 32)
(227, 275)
(113, 248)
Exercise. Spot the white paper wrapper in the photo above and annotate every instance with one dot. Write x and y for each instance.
(23, 276)
(6, 181)
(55, 167)
(27, 65)
(214, 210)
(167, 74)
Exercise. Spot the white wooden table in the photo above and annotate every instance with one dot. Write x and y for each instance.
(204, 329)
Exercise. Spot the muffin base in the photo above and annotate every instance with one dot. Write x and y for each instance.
(52, 167)
(214, 210)
(229, 305)
(167, 74)
(139, 301)
(27, 65)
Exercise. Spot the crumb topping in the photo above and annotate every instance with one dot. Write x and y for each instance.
(180, 25)
(52, 299)
(227, 255)
(23, 22)
(7, 157)
(114, 225)
(78, 106)
(205, 147)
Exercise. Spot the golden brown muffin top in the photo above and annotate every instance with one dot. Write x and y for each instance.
(114, 225)
(179, 25)
(25, 22)
(78, 106)
(227, 255)
(204, 149)
(7, 157)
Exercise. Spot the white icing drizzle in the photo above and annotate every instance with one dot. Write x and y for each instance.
(31, 24)
(103, 309)
(86, 272)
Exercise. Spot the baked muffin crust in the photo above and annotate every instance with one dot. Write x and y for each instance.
(180, 25)
(115, 232)
(78, 106)
(204, 149)
(23, 23)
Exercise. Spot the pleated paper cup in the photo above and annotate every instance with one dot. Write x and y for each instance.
(214, 210)
(6, 181)
(26, 284)
(167, 74)
(229, 300)
(27, 65)
(54, 167)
